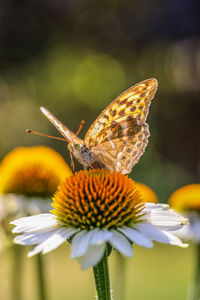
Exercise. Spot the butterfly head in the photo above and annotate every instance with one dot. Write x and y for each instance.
(75, 148)
(82, 153)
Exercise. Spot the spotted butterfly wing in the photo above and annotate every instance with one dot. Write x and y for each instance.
(64, 130)
(119, 136)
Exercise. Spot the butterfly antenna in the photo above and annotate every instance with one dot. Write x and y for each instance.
(80, 127)
(72, 162)
(49, 136)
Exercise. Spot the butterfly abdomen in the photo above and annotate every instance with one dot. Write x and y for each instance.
(90, 159)
(98, 164)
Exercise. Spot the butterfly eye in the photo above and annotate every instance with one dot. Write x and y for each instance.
(77, 146)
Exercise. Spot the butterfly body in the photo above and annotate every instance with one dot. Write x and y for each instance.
(85, 156)
(118, 137)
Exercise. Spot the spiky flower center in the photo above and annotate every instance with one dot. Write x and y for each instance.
(97, 199)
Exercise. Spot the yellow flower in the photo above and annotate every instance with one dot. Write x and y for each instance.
(148, 194)
(97, 199)
(32, 171)
(186, 198)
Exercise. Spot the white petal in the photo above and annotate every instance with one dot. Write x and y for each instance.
(33, 237)
(31, 218)
(35, 223)
(166, 219)
(158, 235)
(186, 233)
(121, 243)
(190, 231)
(161, 216)
(168, 226)
(93, 256)
(136, 237)
(174, 240)
(155, 206)
(55, 240)
(80, 243)
(100, 236)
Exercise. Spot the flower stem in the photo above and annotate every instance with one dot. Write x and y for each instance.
(120, 267)
(102, 281)
(41, 277)
(195, 295)
(17, 272)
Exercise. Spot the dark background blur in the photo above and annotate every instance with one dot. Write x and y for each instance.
(75, 56)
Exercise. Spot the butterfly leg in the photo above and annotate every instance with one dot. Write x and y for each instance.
(80, 127)
(72, 162)
(85, 168)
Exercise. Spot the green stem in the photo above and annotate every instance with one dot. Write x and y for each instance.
(196, 286)
(120, 276)
(41, 277)
(17, 272)
(102, 281)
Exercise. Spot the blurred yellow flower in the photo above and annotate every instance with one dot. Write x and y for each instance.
(186, 199)
(32, 171)
(148, 194)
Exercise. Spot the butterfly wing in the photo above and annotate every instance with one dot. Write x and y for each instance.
(119, 135)
(68, 134)
(121, 149)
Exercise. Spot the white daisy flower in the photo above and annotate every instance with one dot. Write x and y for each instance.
(95, 208)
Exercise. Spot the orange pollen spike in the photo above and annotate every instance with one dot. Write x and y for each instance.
(99, 199)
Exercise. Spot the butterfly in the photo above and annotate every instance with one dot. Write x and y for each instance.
(118, 137)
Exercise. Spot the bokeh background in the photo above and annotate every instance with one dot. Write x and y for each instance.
(74, 57)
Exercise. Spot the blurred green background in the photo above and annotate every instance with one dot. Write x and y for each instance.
(164, 272)
(75, 57)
